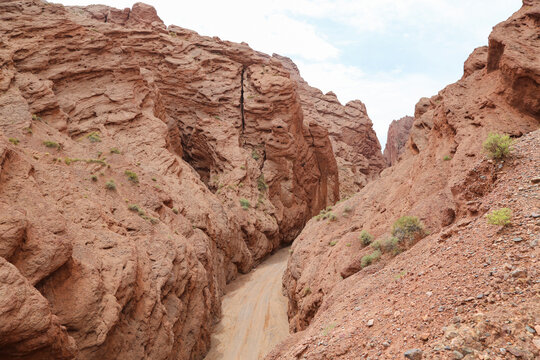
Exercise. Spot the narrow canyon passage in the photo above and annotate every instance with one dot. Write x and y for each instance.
(254, 313)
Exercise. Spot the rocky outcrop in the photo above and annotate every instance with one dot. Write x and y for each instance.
(141, 169)
(398, 133)
(500, 96)
(356, 147)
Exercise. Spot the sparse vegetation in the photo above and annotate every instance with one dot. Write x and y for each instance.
(115, 151)
(94, 137)
(175, 210)
(93, 178)
(347, 210)
(27, 130)
(332, 243)
(244, 203)
(307, 291)
(136, 208)
(131, 176)
(326, 214)
(36, 118)
(261, 184)
(447, 158)
(498, 146)
(110, 185)
(366, 238)
(255, 154)
(154, 179)
(370, 259)
(389, 245)
(501, 217)
(51, 144)
(408, 229)
(14, 141)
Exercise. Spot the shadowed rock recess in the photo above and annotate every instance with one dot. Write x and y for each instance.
(142, 168)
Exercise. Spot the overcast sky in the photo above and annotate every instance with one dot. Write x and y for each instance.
(387, 53)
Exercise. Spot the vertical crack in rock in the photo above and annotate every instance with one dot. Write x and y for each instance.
(242, 99)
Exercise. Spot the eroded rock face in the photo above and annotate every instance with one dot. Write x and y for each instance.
(398, 133)
(452, 124)
(145, 168)
(356, 147)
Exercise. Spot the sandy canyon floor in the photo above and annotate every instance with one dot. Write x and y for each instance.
(254, 313)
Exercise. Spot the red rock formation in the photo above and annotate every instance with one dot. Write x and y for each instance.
(500, 96)
(398, 133)
(356, 147)
(145, 168)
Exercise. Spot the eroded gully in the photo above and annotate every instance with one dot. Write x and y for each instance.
(254, 313)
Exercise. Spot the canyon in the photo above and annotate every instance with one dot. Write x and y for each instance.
(151, 180)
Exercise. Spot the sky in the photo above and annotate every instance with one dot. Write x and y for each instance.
(387, 53)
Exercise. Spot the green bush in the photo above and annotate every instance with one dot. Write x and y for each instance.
(370, 259)
(447, 158)
(136, 208)
(497, 146)
(255, 154)
(408, 229)
(501, 217)
(175, 210)
(14, 141)
(244, 203)
(261, 184)
(131, 176)
(93, 178)
(115, 151)
(390, 245)
(332, 243)
(110, 185)
(51, 144)
(366, 238)
(94, 137)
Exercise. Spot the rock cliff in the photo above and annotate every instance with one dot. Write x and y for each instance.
(443, 178)
(142, 167)
(356, 147)
(398, 134)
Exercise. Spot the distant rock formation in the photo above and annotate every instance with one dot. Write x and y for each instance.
(398, 133)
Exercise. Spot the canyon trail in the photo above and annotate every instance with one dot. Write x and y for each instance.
(254, 313)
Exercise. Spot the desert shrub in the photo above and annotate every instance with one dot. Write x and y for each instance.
(131, 176)
(497, 146)
(332, 243)
(366, 238)
(110, 185)
(370, 259)
(115, 151)
(36, 118)
(28, 130)
(51, 144)
(501, 217)
(14, 141)
(244, 203)
(255, 154)
(389, 245)
(94, 137)
(175, 210)
(347, 210)
(447, 158)
(93, 178)
(332, 217)
(408, 229)
(261, 184)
